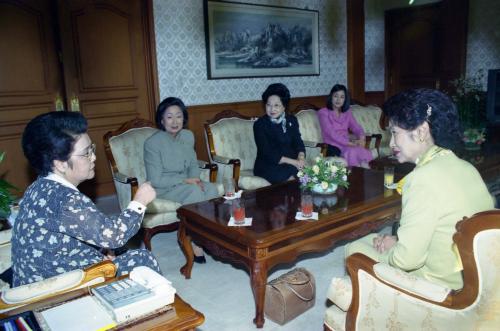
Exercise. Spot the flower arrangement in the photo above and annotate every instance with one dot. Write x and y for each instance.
(474, 136)
(323, 173)
(470, 100)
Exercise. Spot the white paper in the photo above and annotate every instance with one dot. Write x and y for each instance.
(237, 195)
(392, 186)
(248, 222)
(299, 216)
(83, 314)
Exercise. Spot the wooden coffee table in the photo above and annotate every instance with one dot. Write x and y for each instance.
(275, 236)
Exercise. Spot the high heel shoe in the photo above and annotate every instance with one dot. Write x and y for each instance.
(200, 259)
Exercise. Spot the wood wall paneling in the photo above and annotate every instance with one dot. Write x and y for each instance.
(375, 98)
(30, 78)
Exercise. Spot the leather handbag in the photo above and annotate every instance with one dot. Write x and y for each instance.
(290, 295)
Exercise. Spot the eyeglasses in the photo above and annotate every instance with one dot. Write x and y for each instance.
(90, 152)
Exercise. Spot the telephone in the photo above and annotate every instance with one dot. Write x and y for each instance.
(144, 291)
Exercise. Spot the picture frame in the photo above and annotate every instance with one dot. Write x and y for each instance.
(249, 40)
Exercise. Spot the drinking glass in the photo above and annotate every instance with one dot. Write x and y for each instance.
(229, 187)
(238, 211)
(388, 175)
(306, 204)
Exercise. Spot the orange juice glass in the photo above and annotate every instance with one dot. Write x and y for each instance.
(306, 204)
(238, 211)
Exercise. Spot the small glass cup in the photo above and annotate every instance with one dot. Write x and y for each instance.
(229, 189)
(238, 211)
(388, 176)
(306, 204)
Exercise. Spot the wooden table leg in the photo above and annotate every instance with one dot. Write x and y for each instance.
(258, 280)
(185, 244)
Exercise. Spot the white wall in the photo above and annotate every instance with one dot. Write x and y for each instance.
(483, 40)
(180, 47)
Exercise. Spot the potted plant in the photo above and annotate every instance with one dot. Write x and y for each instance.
(6, 197)
(471, 105)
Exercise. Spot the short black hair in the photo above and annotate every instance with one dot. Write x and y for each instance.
(347, 102)
(168, 102)
(280, 90)
(409, 109)
(51, 136)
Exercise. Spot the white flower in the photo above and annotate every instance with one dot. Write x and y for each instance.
(107, 233)
(300, 174)
(317, 159)
(334, 169)
(344, 178)
(315, 169)
(324, 185)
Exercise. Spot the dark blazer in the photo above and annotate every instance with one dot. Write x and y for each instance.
(272, 144)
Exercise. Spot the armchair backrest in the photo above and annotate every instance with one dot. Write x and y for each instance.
(369, 118)
(230, 135)
(310, 129)
(478, 240)
(125, 148)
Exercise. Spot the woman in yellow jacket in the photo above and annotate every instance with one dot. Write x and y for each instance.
(438, 193)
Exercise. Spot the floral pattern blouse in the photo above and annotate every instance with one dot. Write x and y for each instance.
(59, 229)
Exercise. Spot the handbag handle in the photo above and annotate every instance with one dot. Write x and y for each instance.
(297, 293)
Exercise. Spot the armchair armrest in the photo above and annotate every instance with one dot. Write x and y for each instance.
(212, 167)
(118, 176)
(313, 144)
(236, 163)
(69, 281)
(378, 139)
(359, 262)
(419, 286)
(126, 187)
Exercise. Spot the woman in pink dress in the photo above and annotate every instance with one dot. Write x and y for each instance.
(336, 121)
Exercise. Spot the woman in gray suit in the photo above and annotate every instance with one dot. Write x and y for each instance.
(171, 162)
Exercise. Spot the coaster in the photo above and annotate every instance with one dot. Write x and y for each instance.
(248, 222)
(237, 195)
(299, 217)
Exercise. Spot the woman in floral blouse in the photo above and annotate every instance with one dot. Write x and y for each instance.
(58, 228)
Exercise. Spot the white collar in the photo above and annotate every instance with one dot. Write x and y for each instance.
(61, 180)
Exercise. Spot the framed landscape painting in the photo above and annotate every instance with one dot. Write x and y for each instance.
(246, 40)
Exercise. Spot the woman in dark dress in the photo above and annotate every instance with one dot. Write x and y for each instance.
(280, 149)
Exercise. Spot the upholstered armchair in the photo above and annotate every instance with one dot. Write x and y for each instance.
(377, 139)
(125, 152)
(66, 282)
(387, 298)
(231, 146)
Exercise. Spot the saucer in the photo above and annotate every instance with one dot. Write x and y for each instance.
(237, 195)
(392, 186)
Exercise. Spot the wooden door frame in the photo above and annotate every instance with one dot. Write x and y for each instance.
(151, 61)
(356, 48)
